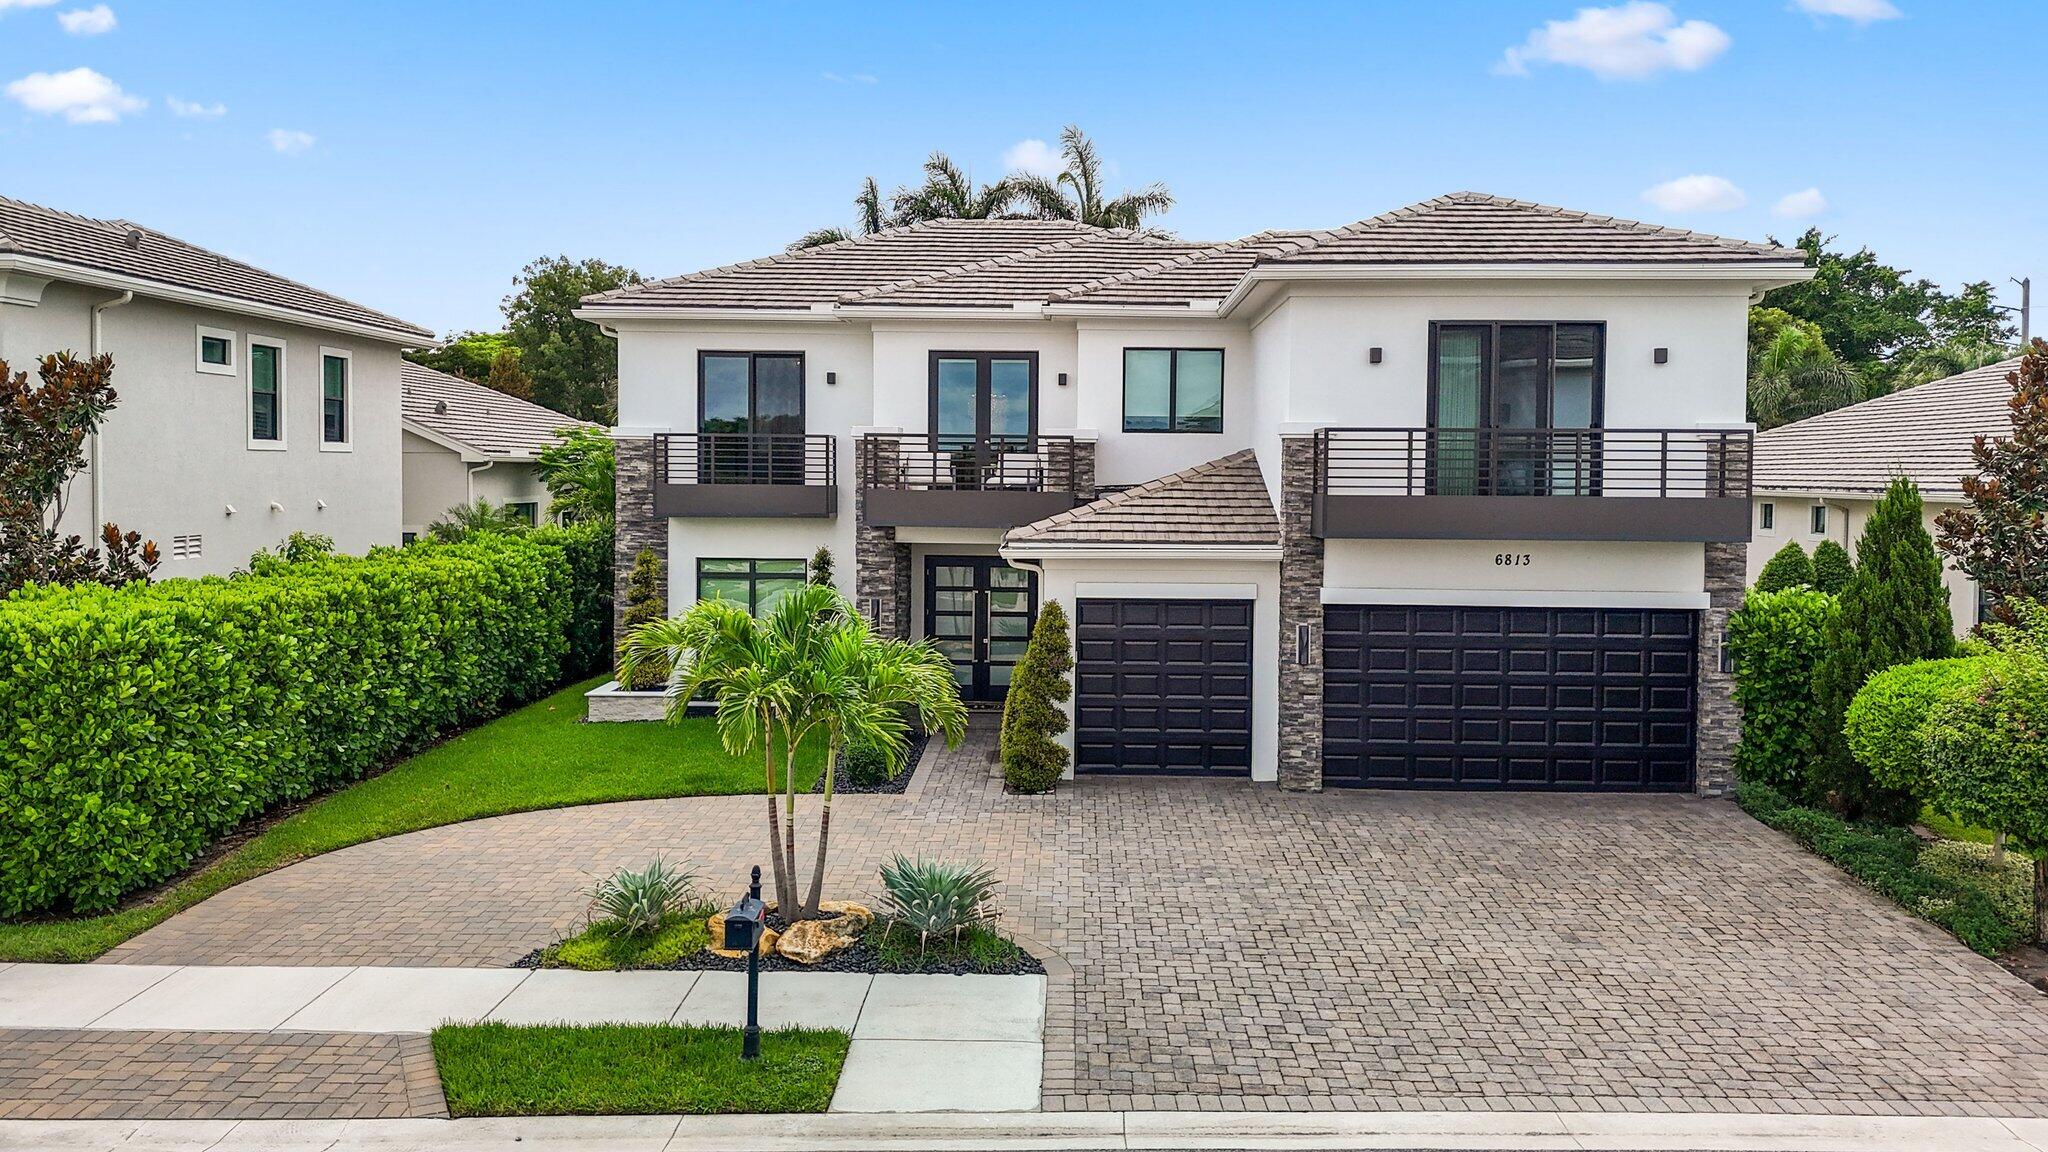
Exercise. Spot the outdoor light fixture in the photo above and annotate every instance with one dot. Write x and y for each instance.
(1372, 355)
(1727, 656)
(1063, 379)
(831, 378)
(1301, 644)
(1661, 356)
(744, 924)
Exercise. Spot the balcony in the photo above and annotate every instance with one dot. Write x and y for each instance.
(744, 474)
(914, 479)
(1532, 484)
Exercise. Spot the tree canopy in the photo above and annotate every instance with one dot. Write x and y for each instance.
(573, 365)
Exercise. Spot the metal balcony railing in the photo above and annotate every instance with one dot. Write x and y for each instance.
(947, 481)
(746, 474)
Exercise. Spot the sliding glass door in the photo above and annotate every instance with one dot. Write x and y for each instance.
(1513, 408)
(983, 404)
(744, 399)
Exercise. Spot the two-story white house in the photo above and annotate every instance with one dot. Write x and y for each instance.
(249, 406)
(1453, 497)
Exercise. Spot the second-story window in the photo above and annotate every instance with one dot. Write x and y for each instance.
(1173, 390)
(334, 366)
(266, 393)
(750, 417)
(1512, 406)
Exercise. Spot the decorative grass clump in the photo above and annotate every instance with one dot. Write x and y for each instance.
(607, 945)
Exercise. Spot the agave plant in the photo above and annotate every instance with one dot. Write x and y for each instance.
(934, 898)
(639, 901)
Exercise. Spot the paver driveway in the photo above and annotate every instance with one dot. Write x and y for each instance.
(1233, 946)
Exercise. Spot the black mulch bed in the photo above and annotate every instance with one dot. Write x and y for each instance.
(843, 784)
(864, 957)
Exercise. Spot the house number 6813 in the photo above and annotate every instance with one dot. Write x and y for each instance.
(1511, 559)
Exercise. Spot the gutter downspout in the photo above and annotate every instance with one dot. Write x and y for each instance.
(470, 478)
(99, 488)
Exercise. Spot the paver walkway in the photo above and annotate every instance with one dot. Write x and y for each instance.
(1234, 946)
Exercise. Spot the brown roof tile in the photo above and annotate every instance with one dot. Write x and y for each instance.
(1923, 433)
(1221, 502)
(485, 419)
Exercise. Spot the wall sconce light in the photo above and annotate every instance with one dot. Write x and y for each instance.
(1727, 656)
(320, 505)
(1301, 645)
(831, 378)
(1372, 355)
(1063, 379)
(231, 509)
(1661, 356)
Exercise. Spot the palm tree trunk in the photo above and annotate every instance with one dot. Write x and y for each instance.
(774, 817)
(786, 896)
(810, 911)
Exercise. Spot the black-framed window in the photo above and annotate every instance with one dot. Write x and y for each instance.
(984, 401)
(1515, 407)
(1173, 389)
(266, 402)
(216, 350)
(756, 585)
(743, 399)
(1818, 525)
(1766, 515)
(526, 510)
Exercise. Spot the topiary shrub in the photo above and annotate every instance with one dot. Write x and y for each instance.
(819, 571)
(1789, 568)
(1987, 757)
(1887, 722)
(1775, 638)
(644, 604)
(1033, 759)
(1831, 567)
(1894, 611)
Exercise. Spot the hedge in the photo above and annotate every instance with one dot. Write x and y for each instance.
(139, 724)
(1776, 641)
(1887, 721)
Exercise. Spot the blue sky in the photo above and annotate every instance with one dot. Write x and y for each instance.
(413, 156)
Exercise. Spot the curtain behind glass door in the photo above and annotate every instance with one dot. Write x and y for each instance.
(1460, 389)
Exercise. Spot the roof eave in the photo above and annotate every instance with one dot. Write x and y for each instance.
(408, 337)
(615, 313)
(469, 453)
(1114, 550)
(1758, 276)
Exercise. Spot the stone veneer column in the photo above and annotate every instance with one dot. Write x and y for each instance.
(1079, 465)
(881, 566)
(636, 525)
(1301, 602)
(1719, 717)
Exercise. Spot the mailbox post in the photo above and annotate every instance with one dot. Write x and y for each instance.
(744, 924)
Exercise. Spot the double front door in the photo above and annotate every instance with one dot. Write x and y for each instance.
(979, 611)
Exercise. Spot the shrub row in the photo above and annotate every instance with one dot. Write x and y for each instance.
(139, 724)
(1887, 860)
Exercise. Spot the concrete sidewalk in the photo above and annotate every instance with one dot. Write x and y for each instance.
(920, 1043)
(1105, 1131)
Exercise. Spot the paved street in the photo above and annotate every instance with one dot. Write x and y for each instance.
(1235, 947)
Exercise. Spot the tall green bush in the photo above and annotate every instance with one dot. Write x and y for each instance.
(1887, 721)
(645, 602)
(1987, 754)
(1033, 759)
(586, 546)
(137, 725)
(1832, 567)
(1776, 641)
(1894, 611)
(1788, 568)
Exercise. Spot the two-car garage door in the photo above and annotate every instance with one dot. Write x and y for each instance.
(1536, 698)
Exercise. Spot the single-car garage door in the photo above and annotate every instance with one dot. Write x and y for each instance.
(1535, 698)
(1163, 686)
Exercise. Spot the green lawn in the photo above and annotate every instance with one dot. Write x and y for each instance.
(540, 756)
(633, 1070)
(1949, 828)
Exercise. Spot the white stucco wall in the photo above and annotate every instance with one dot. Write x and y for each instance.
(175, 451)
(436, 479)
(1555, 572)
(1134, 457)
(1793, 520)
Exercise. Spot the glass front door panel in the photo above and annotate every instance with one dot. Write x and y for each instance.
(980, 612)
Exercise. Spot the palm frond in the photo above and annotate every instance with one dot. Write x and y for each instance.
(818, 238)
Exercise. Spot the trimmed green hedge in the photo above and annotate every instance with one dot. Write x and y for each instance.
(1888, 860)
(1776, 640)
(139, 724)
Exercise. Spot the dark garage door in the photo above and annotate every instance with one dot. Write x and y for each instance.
(1163, 686)
(1540, 698)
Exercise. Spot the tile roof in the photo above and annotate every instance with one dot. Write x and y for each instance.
(997, 263)
(126, 249)
(1221, 502)
(1475, 228)
(485, 419)
(1924, 432)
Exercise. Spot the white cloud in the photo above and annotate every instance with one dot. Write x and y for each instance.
(1854, 11)
(1626, 42)
(849, 77)
(81, 95)
(1696, 194)
(1800, 205)
(93, 21)
(289, 141)
(1034, 156)
(6, 5)
(193, 108)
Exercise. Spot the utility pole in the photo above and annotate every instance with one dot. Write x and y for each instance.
(2026, 284)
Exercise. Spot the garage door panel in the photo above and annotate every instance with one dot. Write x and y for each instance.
(1166, 687)
(1509, 698)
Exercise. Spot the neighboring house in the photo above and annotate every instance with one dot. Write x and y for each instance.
(465, 442)
(1820, 478)
(250, 406)
(1456, 496)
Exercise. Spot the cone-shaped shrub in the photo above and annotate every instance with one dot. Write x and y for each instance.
(644, 603)
(1831, 567)
(1894, 611)
(1033, 760)
(1789, 568)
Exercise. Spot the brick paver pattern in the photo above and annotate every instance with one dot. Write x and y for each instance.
(1233, 946)
(49, 1074)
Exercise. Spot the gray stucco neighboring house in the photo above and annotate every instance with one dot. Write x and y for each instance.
(1819, 479)
(465, 442)
(250, 406)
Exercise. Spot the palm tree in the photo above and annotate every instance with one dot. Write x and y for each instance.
(1945, 360)
(1076, 194)
(869, 202)
(950, 194)
(1796, 375)
(462, 521)
(811, 668)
